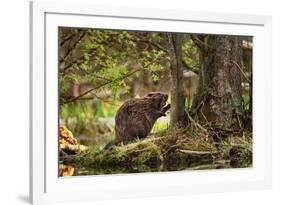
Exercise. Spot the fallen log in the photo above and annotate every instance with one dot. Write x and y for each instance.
(175, 148)
(73, 149)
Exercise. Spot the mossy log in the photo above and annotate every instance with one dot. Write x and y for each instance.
(173, 148)
(72, 149)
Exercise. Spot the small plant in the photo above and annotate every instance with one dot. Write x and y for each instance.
(161, 125)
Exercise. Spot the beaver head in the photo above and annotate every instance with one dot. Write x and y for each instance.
(158, 99)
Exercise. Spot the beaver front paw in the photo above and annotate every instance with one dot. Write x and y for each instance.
(166, 108)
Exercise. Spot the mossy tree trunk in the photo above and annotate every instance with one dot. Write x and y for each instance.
(219, 100)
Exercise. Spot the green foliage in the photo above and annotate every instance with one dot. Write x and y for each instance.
(238, 149)
(105, 110)
(95, 57)
(150, 61)
(246, 102)
(82, 118)
(114, 76)
(75, 115)
(188, 103)
(191, 55)
(99, 57)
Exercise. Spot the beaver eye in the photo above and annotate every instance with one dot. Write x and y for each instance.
(149, 94)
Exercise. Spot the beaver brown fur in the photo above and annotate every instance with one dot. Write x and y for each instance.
(136, 117)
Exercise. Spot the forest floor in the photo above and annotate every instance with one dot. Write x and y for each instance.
(169, 150)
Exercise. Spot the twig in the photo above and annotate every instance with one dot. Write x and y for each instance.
(240, 69)
(205, 118)
(66, 39)
(197, 124)
(100, 85)
(199, 105)
(197, 152)
(95, 96)
(146, 41)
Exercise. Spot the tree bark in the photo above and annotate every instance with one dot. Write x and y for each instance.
(218, 100)
(178, 115)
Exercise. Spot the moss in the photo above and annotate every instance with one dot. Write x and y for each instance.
(240, 156)
(177, 150)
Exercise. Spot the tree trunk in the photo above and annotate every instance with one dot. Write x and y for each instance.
(247, 62)
(178, 115)
(218, 100)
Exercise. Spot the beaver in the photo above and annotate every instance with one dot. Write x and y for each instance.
(136, 117)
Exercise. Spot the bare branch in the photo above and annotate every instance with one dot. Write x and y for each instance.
(73, 47)
(196, 124)
(67, 39)
(101, 85)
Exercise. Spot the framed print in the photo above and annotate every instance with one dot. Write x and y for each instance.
(129, 102)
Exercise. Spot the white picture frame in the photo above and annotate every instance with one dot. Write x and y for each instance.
(46, 186)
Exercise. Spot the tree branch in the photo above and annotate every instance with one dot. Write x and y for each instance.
(73, 47)
(67, 38)
(198, 40)
(99, 86)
